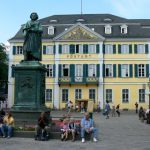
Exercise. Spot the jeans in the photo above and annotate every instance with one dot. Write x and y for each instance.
(94, 131)
(7, 129)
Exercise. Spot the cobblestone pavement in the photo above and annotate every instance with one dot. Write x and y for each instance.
(118, 133)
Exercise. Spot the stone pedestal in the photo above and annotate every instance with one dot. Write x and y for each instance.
(29, 87)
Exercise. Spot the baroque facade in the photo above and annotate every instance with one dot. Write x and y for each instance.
(92, 56)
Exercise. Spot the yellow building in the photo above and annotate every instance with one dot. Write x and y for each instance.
(92, 56)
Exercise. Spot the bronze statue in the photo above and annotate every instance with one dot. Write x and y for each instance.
(32, 47)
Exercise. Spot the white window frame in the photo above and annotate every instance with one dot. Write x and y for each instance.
(49, 73)
(65, 97)
(49, 95)
(92, 70)
(66, 66)
(108, 29)
(77, 74)
(19, 50)
(110, 67)
(140, 70)
(127, 70)
(51, 30)
(124, 49)
(109, 94)
(124, 29)
(126, 100)
(65, 49)
(80, 49)
(141, 49)
(92, 94)
(92, 49)
(49, 49)
(141, 96)
(78, 94)
(108, 49)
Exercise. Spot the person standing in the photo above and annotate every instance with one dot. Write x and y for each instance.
(136, 107)
(113, 111)
(107, 109)
(8, 124)
(117, 110)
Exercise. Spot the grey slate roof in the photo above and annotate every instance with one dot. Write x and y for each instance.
(96, 21)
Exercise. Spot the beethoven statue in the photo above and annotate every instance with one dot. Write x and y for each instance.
(32, 31)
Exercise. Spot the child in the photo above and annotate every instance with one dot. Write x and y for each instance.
(113, 111)
(65, 130)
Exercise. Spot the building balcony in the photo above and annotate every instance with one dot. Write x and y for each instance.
(92, 80)
(64, 80)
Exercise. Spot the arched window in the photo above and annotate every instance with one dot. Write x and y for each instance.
(51, 30)
(108, 29)
(124, 29)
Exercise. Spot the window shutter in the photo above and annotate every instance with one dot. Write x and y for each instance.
(98, 70)
(97, 48)
(54, 49)
(60, 49)
(60, 74)
(72, 49)
(103, 48)
(54, 66)
(44, 49)
(87, 70)
(131, 71)
(119, 71)
(114, 49)
(114, 70)
(14, 50)
(119, 49)
(146, 49)
(103, 70)
(135, 49)
(84, 72)
(72, 72)
(136, 70)
(85, 49)
(147, 70)
(130, 49)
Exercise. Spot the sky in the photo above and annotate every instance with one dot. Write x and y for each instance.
(14, 13)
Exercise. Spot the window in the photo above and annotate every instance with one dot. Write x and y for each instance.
(124, 29)
(141, 49)
(125, 95)
(108, 49)
(49, 72)
(92, 94)
(109, 95)
(48, 95)
(51, 30)
(65, 70)
(65, 49)
(141, 95)
(79, 49)
(92, 70)
(109, 70)
(125, 70)
(64, 95)
(107, 29)
(92, 49)
(124, 49)
(141, 70)
(49, 49)
(78, 94)
(79, 71)
(19, 50)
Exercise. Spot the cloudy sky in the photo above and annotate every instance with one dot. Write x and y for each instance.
(13, 13)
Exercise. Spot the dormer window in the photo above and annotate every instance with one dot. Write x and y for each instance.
(108, 29)
(124, 29)
(51, 30)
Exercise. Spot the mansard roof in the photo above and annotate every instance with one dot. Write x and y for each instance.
(137, 28)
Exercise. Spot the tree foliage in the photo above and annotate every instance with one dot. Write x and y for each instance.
(3, 63)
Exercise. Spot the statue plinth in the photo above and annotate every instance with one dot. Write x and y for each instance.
(29, 86)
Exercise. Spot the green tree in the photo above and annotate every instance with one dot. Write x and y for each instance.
(3, 63)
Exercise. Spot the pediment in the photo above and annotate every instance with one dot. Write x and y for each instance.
(79, 32)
